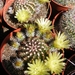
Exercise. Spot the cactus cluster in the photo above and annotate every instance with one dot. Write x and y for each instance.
(67, 25)
(38, 54)
(33, 45)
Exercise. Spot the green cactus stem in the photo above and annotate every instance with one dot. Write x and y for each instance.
(55, 63)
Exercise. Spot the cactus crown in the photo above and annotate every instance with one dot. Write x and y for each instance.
(32, 49)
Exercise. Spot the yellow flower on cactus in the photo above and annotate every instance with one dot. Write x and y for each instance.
(43, 1)
(30, 29)
(22, 15)
(61, 41)
(37, 67)
(55, 63)
(44, 25)
(20, 36)
(18, 63)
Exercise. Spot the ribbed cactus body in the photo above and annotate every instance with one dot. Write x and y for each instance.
(67, 25)
(66, 2)
(33, 7)
(19, 4)
(33, 48)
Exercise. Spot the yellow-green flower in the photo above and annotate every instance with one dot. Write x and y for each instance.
(61, 41)
(18, 63)
(30, 29)
(47, 36)
(44, 25)
(55, 63)
(14, 45)
(43, 1)
(20, 36)
(22, 15)
(37, 68)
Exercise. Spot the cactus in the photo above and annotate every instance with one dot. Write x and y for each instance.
(29, 9)
(55, 63)
(19, 4)
(67, 25)
(32, 49)
(23, 10)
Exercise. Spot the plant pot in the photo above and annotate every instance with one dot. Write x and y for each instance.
(14, 23)
(70, 66)
(58, 6)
